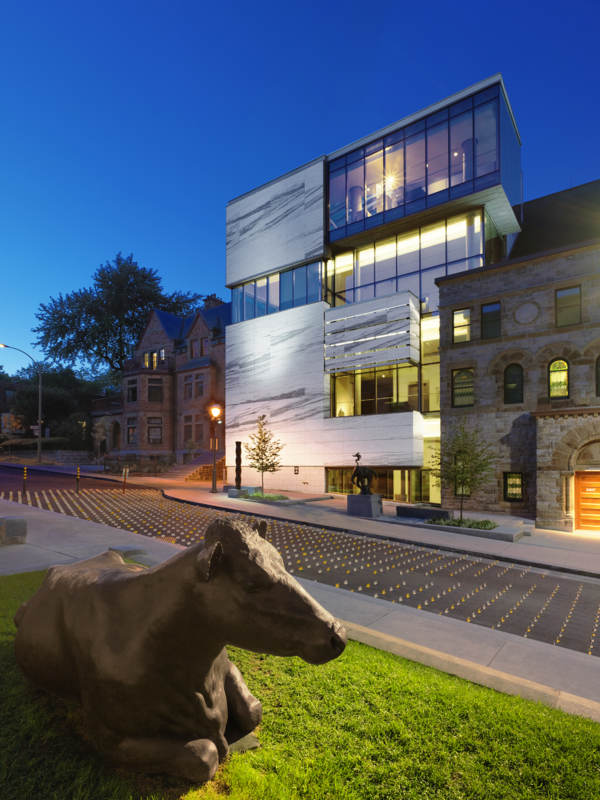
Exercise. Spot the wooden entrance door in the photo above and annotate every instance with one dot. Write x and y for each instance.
(587, 500)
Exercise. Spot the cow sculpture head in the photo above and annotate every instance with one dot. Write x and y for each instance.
(255, 603)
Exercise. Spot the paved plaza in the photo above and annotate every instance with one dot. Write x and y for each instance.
(533, 603)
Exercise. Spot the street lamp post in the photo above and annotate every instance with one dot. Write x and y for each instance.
(215, 412)
(39, 372)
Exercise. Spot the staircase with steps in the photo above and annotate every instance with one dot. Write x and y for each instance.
(199, 469)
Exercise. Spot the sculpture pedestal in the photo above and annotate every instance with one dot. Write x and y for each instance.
(364, 505)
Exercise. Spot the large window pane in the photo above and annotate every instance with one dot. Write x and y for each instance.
(374, 183)
(415, 167)
(456, 237)
(408, 253)
(273, 293)
(437, 158)
(385, 259)
(249, 291)
(486, 134)
(365, 266)
(313, 279)
(342, 395)
(430, 387)
(355, 192)
(385, 389)
(261, 297)
(461, 325)
(407, 389)
(366, 390)
(286, 290)
(299, 286)
(343, 272)
(337, 200)
(474, 235)
(433, 245)
(568, 306)
(237, 303)
(394, 175)
(430, 294)
(461, 148)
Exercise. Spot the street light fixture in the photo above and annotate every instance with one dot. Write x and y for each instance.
(215, 412)
(39, 372)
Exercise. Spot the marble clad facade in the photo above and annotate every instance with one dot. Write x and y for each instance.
(332, 266)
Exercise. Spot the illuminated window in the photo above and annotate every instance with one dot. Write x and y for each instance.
(382, 390)
(568, 306)
(513, 384)
(513, 486)
(463, 393)
(147, 359)
(558, 378)
(461, 325)
(161, 354)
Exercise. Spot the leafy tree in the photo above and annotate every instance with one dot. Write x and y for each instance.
(465, 463)
(263, 451)
(100, 325)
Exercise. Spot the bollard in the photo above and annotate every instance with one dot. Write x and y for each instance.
(125, 474)
(78, 476)
(24, 479)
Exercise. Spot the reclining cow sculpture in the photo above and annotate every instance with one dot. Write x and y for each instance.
(144, 650)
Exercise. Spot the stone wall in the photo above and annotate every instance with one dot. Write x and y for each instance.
(529, 337)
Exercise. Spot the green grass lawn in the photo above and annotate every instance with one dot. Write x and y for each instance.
(369, 725)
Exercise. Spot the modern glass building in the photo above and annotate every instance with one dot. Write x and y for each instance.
(333, 268)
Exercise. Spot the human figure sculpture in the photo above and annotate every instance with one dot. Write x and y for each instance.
(362, 476)
(143, 651)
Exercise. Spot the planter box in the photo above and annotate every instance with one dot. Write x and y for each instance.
(422, 512)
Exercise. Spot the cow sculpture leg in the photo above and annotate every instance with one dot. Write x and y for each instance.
(196, 760)
(244, 710)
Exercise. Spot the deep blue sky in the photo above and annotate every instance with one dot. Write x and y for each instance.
(129, 125)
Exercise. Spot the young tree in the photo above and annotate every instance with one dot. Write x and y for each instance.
(263, 451)
(101, 324)
(466, 462)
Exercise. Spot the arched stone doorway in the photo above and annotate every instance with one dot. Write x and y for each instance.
(587, 487)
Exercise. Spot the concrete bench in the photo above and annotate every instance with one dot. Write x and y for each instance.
(13, 530)
(422, 512)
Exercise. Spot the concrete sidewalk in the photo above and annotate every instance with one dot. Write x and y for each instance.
(556, 676)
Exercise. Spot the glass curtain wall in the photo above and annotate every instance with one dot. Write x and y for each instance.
(276, 292)
(381, 390)
(402, 484)
(408, 262)
(437, 157)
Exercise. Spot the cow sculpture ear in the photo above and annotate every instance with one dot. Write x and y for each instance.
(260, 528)
(208, 561)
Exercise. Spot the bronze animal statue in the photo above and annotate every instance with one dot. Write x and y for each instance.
(362, 476)
(143, 651)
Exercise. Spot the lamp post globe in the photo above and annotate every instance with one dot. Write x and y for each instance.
(215, 412)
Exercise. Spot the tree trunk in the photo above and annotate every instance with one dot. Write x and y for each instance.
(262, 483)
(462, 500)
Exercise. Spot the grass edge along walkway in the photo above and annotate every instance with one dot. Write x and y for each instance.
(367, 726)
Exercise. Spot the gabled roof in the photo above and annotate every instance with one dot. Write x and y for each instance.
(178, 328)
(558, 220)
(175, 327)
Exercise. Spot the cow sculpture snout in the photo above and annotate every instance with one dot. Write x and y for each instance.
(173, 620)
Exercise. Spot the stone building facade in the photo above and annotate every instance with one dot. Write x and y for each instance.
(520, 361)
(176, 373)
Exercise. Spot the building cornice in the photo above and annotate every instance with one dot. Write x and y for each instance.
(576, 411)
